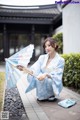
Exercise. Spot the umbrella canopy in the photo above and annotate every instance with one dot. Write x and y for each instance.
(20, 58)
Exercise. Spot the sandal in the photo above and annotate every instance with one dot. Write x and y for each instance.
(44, 100)
(52, 98)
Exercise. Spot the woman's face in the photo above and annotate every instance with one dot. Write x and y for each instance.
(48, 48)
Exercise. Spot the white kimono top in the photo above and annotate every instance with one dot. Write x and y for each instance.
(49, 86)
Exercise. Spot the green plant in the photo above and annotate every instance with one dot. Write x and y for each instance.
(2, 81)
(59, 38)
(71, 75)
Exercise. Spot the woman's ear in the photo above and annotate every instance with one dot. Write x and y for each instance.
(55, 45)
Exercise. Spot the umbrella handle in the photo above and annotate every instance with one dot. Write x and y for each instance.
(25, 70)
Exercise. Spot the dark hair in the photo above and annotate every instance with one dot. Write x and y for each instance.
(52, 42)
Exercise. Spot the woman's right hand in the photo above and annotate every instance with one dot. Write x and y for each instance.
(26, 70)
(20, 67)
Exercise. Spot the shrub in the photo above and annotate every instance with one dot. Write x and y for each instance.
(71, 75)
(59, 38)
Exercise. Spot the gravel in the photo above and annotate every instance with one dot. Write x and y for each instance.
(14, 105)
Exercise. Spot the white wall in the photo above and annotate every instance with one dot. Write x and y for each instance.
(71, 28)
(58, 30)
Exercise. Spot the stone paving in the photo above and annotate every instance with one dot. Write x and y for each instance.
(55, 112)
(49, 110)
(2, 66)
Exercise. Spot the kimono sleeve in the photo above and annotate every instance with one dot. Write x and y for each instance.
(56, 76)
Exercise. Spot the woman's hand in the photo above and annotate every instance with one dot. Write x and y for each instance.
(42, 76)
(25, 70)
(20, 67)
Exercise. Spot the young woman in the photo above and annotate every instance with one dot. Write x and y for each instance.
(48, 70)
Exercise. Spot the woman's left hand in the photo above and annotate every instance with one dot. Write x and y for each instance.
(42, 76)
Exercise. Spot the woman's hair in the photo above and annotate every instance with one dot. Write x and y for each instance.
(52, 43)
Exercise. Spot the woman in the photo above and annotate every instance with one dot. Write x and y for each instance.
(48, 70)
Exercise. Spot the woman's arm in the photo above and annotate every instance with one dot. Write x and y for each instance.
(26, 70)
